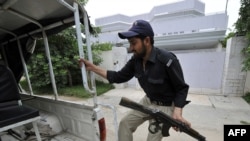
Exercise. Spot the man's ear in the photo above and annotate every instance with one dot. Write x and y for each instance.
(147, 40)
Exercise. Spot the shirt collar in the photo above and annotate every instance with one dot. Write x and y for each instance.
(152, 57)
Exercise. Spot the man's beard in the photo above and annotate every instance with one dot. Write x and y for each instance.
(142, 53)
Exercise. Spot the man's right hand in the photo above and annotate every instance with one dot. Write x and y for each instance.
(92, 67)
(89, 66)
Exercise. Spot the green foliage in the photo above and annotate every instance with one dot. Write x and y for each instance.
(247, 97)
(245, 122)
(98, 48)
(243, 22)
(102, 46)
(97, 30)
(246, 61)
(64, 56)
(76, 91)
(243, 28)
(84, 2)
(224, 42)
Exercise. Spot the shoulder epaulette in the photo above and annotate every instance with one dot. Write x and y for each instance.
(166, 57)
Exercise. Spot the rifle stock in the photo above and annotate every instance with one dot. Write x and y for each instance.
(162, 118)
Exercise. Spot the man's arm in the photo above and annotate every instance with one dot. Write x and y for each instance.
(177, 114)
(181, 88)
(92, 67)
(123, 75)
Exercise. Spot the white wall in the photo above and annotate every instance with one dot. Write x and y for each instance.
(203, 71)
(119, 59)
(107, 63)
(234, 78)
(113, 60)
(208, 71)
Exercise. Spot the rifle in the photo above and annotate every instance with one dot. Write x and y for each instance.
(161, 117)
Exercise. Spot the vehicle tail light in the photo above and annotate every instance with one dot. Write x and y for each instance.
(102, 128)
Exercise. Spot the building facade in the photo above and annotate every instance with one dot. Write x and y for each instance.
(178, 26)
(183, 28)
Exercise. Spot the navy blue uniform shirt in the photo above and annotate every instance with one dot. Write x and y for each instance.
(162, 79)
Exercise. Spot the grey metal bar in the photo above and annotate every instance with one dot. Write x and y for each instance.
(40, 30)
(25, 17)
(67, 5)
(90, 57)
(92, 77)
(25, 67)
(22, 59)
(80, 47)
(8, 4)
(52, 76)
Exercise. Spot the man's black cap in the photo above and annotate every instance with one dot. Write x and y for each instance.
(139, 27)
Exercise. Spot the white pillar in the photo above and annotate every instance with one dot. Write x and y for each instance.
(234, 78)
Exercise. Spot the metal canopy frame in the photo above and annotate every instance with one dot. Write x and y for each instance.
(65, 13)
(41, 28)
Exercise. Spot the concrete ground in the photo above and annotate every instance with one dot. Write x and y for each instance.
(207, 114)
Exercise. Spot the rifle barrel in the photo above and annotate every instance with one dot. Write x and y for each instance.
(164, 118)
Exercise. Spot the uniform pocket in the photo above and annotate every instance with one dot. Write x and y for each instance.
(156, 81)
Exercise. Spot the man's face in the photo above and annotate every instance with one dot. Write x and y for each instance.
(137, 46)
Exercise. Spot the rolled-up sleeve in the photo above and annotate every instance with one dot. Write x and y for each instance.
(179, 84)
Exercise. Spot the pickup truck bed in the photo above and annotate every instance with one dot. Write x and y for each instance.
(24, 21)
(60, 120)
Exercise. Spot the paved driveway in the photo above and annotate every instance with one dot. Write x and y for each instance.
(208, 114)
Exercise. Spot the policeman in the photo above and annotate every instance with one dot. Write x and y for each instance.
(159, 74)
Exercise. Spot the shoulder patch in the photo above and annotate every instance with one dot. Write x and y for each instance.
(169, 62)
(166, 57)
